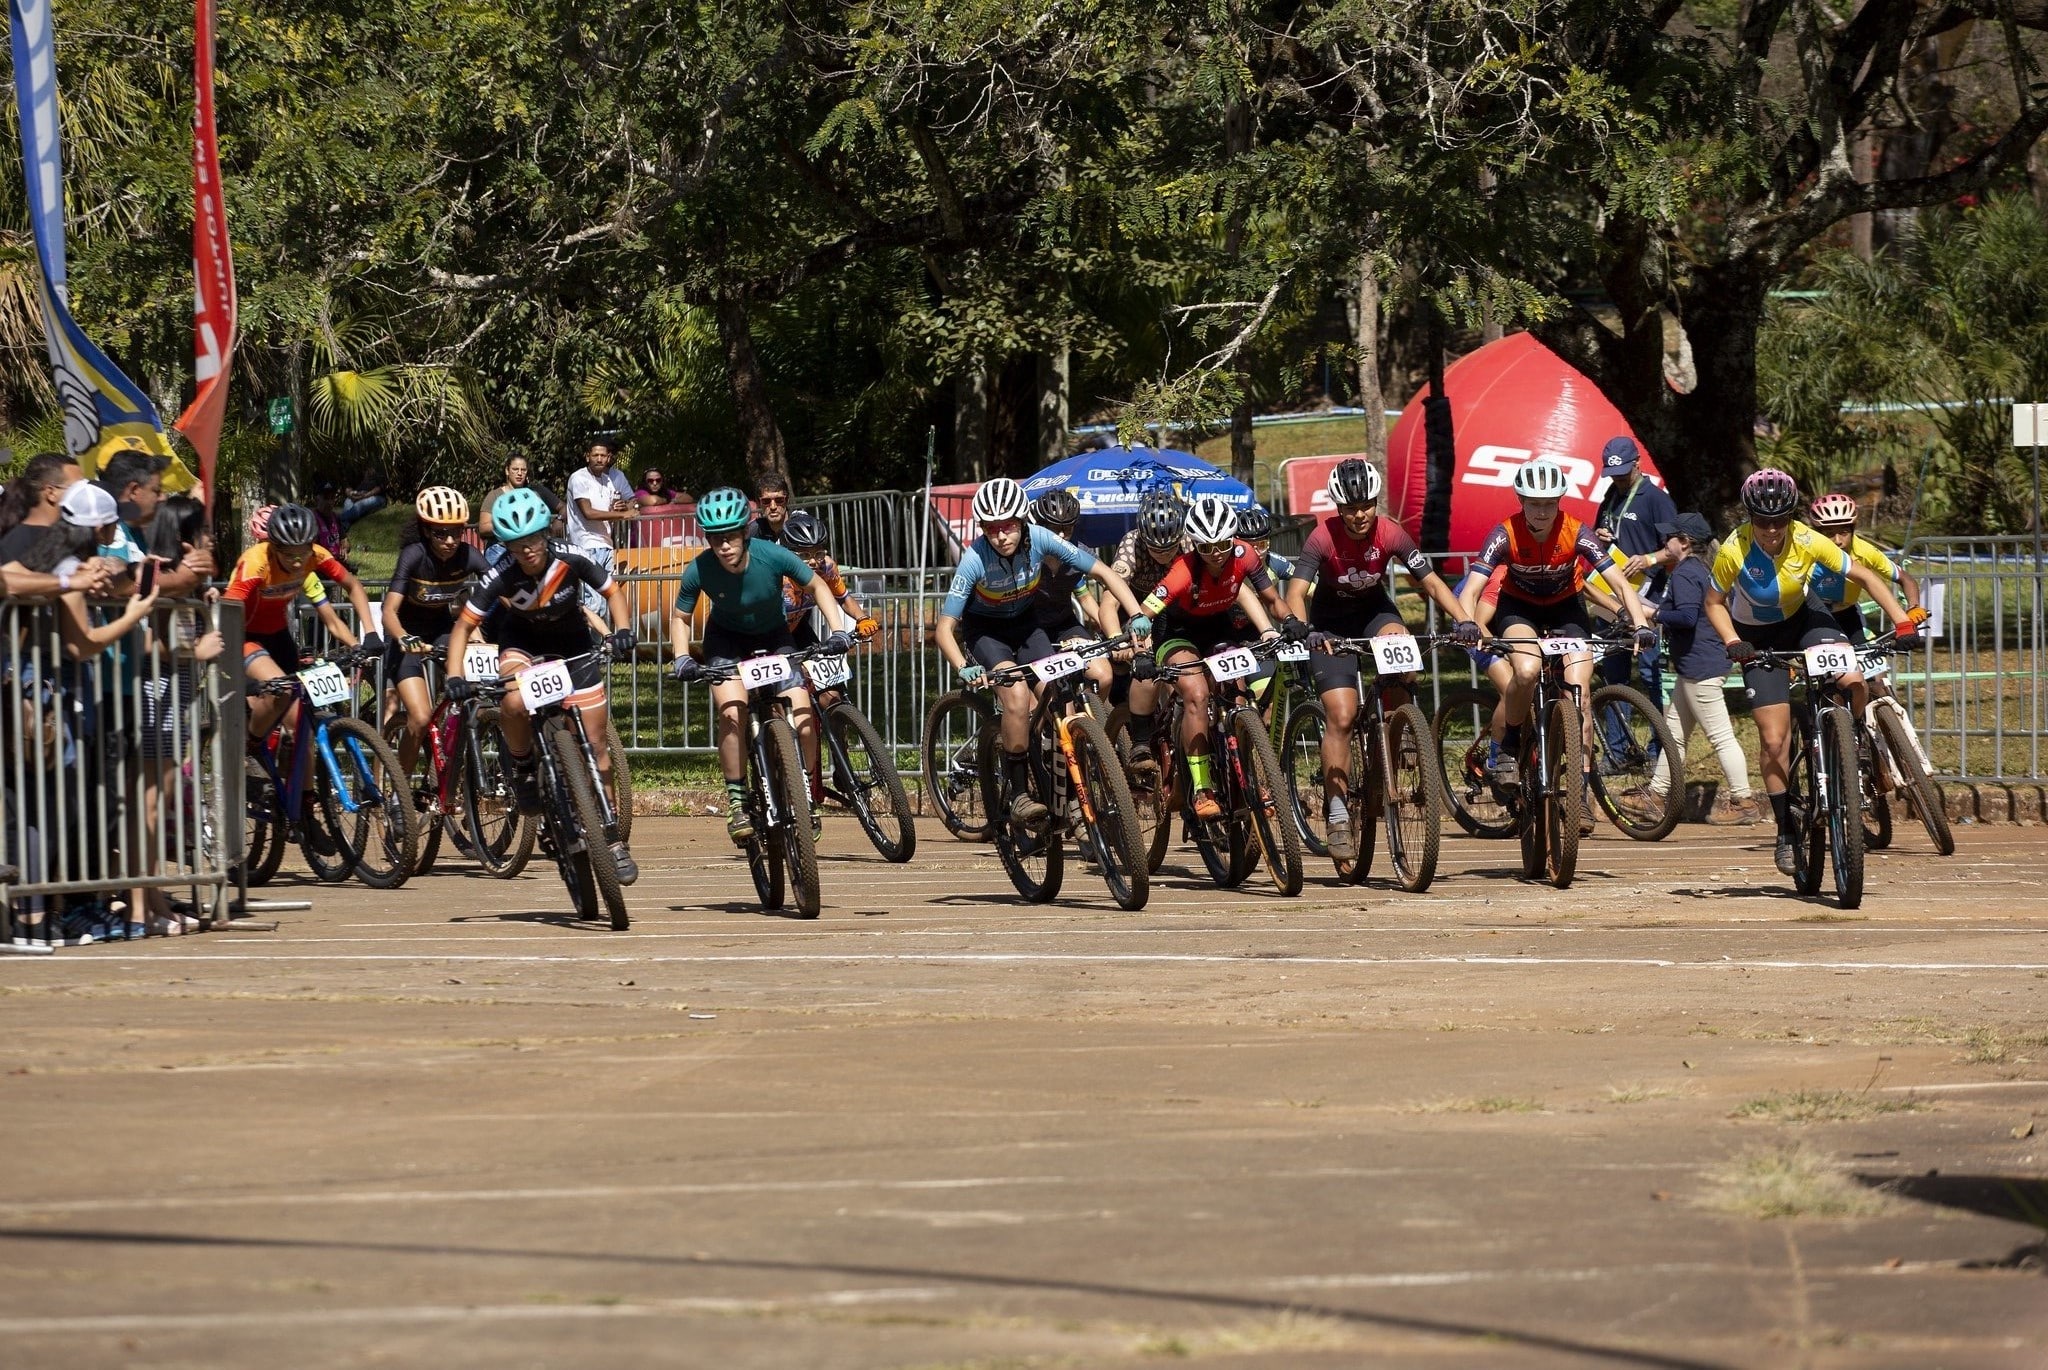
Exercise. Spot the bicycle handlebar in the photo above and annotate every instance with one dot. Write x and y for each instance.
(1024, 674)
(716, 672)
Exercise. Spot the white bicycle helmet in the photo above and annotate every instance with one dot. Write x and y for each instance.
(1542, 479)
(1354, 482)
(1211, 520)
(1000, 499)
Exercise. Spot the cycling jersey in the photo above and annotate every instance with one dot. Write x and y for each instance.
(267, 592)
(1761, 588)
(1059, 585)
(1836, 590)
(1541, 570)
(552, 600)
(1139, 568)
(796, 600)
(750, 600)
(991, 585)
(1191, 590)
(431, 589)
(1350, 573)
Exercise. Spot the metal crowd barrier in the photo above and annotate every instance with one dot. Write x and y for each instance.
(1978, 692)
(122, 768)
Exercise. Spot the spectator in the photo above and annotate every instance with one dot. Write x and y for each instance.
(1630, 513)
(31, 502)
(773, 496)
(1700, 698)
(328, 522)
(517, 476)
(655, 489)
(360, 501)
(598, 498)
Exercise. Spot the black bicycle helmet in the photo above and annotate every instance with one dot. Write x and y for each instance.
(1161, 520)
(1255, 524)
(1767, 494)
(1057, 510)
(804, 532)
(293, 525)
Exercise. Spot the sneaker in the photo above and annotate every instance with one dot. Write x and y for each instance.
(1206, 807)
(1142, 760)
(1338, 839)
(1504, 770)
(1027, 812)
(739, 826)
(623, 863)
(81, 927)
(1788, 857)
(526, 788)
(817, 824)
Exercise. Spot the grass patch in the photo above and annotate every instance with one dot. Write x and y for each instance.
(1831, 918)
(1286, 1332)
(1825, 1106)
(1788, 1182)
(1638, 1093)
(1990, 1047)
(1491, 1103)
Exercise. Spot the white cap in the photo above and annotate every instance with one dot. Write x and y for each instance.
(86, 505)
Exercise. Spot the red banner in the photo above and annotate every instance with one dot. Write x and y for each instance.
(213, 307)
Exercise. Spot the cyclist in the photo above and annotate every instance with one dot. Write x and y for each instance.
(267, 579)
(1834, 516)
(1067, 606)
(805, 534)
(1143, 557)
(742, 576)
(315, 589)
(1547, 555)
(539, 588)
(989, 620)
(1255, 526)
(426, 587)
(1759, 602)
(1342, 587)
(1199, 598)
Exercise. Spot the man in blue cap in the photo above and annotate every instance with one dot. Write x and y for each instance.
(1627, 523)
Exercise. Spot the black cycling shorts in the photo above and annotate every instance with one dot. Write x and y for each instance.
(1204, 636)
(993, 641)
(520, 643)
(400, 664)
(1811, 626)
(1340, 670)
(1566, 618)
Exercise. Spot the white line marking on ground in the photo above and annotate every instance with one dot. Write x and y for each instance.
(1973, 1084)
(1083, 958)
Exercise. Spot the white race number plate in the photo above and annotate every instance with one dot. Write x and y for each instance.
(545, 683)
(757, 671)
(1292, 651)
(480, 659)
(1051, 668)
(1830, 658)
(1396, 654)
(1563, 646)
(1874, 667)
(827, 671)
(325, 684)
(1234, 664)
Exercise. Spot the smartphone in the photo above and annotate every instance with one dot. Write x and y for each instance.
(145, 577)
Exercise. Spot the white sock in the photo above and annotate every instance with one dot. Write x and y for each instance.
(1338, 810)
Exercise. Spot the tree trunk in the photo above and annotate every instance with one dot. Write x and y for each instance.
(1366, 338)
(760, 436)
(970, 424)
(1052, 405)
(1244, 447)
(1705, 442)
(1862, 165)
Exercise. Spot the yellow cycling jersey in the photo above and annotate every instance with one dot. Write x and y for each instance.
(1762, 588)
(1836, 590)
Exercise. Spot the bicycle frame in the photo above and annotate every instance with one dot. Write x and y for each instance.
(1057, 702)
(309, 725)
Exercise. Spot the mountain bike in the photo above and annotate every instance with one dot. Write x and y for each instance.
(1633, 747)
(575, 812)
(783, 848)
(1076, 773)
(331, 785)
(459, 783)
(1247, 778)
(1894, 763)
(949, 751)
(862, 774)
(1546, 803)
(1823, 778)
(1395, 778)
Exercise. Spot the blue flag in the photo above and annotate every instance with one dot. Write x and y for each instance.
(104, 411)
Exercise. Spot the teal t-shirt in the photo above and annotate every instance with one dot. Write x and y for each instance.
(750, 602)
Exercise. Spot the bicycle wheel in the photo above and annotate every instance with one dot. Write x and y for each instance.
(1844, 818)
(1265, 796)
(1561, 808)
(1152, 797)
(1035, 862)
(950, 753)
(873, 791)
(1461, 736)
(1876, 810)
(1414, 799)
(1118, 842)
(1301, 761)
(327, 830)
(622, 781)
(793, 798)
(1923, 796)
(561, 839)
(580, 787)
(1809, 824)
(425, 788)
(1632, 748)
(384, 827)
(266, 831)
(500, 837)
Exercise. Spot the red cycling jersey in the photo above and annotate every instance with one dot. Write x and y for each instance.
(1342, 567)
(1541, 570)
(1189, 588)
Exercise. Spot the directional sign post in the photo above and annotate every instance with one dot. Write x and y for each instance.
(281, 418)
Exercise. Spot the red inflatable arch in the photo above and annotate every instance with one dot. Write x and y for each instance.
(1511, 401)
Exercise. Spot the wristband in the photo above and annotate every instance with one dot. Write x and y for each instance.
(63, 581)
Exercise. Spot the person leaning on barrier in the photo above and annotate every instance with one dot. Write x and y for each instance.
(71, 557)
(1699, 700)
(31, 508)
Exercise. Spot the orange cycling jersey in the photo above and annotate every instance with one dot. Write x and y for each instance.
(267, 592)
(1541, 570)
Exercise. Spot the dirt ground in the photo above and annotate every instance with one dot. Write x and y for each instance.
(1674, 1117)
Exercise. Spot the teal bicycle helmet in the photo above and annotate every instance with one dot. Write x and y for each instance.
(516, 514)
(723, 510)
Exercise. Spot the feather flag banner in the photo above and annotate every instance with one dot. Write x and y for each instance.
(104, 411)
(213, 265)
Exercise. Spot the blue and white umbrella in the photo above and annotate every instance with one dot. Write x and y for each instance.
(1112, 482)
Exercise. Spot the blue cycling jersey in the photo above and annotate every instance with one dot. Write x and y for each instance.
(994, 586)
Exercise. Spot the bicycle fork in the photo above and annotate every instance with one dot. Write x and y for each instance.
(1073, 759)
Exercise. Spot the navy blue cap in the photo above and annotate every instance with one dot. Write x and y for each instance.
(1620, 454)
(1694, 526)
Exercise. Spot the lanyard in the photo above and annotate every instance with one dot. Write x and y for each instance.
(1614, 525)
